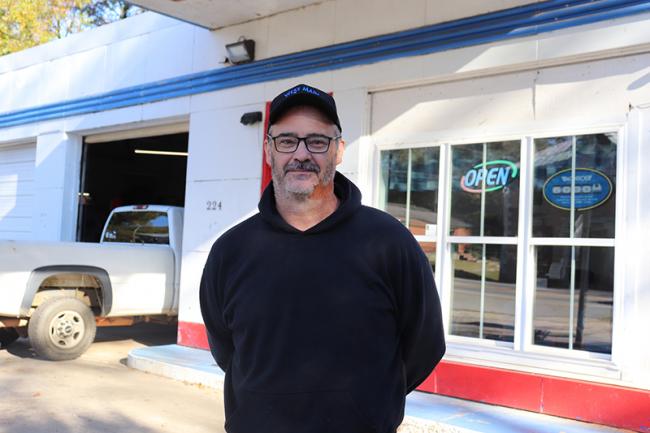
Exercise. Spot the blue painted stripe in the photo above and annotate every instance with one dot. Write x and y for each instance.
(502, 25)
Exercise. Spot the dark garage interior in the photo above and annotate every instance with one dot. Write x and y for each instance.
(150, 170)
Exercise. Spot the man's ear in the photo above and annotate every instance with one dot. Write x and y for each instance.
(267, 150)
(340, 150)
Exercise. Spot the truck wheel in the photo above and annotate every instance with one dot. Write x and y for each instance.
(61, 328)
(7, 336)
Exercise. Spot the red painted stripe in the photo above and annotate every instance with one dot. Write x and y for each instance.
(266, 168)
(600, 403)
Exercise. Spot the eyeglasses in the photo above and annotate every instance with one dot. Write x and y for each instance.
(285, 143)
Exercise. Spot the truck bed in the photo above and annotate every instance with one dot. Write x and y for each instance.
(141, 275)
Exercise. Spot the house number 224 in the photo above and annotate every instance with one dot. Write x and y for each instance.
(213, 205)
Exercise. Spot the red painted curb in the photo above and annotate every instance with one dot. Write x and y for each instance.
(192, 335)
(599, 403)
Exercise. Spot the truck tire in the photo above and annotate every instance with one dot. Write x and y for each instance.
(61, 328)
(7, 336)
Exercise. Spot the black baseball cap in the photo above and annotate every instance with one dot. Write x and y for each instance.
(303, 94)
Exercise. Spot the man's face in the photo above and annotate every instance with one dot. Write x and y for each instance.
(301, 173)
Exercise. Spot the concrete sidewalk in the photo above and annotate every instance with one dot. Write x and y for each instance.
(425, 413)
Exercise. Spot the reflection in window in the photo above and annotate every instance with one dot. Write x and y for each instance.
(423, 196)
(429, 249)
(394, 171)
(573, 298)
(465, 205)
(485, 189)
(596, 172)
(410, 187)
(138, 227)
(502, 204)
(483, 292)
(575, 176)
(409, 192)
(552, 156)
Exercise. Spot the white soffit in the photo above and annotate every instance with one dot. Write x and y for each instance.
(127, 134)
(213, 14)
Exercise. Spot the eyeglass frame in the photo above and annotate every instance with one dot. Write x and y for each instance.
(304, 140)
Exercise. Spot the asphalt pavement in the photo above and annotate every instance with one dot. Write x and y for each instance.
(98, 393)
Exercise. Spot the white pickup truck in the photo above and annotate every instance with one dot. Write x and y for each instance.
(58, 292)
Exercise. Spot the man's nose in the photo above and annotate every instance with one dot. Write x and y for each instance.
(301, 153)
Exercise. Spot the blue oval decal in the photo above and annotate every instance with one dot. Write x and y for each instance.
(592, 188)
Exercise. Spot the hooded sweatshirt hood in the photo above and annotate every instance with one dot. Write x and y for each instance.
(349, 202)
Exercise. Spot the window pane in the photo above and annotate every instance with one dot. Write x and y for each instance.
(500, 278)
(138, 227)
(593, 181)
(394, 170)
(466, 290)
(502, 188)
(488, 172)
(552, 294)
(489, 314)
(466, 191)
(423, 207)
(596, 178)
(593, 303)
(591, 316)
(552, 156)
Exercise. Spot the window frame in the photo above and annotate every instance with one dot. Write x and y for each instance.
(522, 353)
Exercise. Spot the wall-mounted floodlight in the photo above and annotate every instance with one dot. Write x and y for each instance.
(242, 51)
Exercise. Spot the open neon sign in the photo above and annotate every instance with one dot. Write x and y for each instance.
(489, 176)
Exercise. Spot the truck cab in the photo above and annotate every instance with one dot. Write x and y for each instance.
(148, 224)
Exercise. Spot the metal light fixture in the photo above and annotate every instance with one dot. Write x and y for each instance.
(242, 51)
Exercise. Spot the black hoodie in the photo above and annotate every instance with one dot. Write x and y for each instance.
(321, 331)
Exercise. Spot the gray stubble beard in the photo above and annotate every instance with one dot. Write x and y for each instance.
(301, 195)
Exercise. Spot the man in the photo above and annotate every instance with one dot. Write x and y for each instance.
(322, 312)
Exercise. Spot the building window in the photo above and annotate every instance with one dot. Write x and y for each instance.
(567, 205)
(574, 209)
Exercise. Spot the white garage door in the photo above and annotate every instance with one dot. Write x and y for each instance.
(16, 191)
